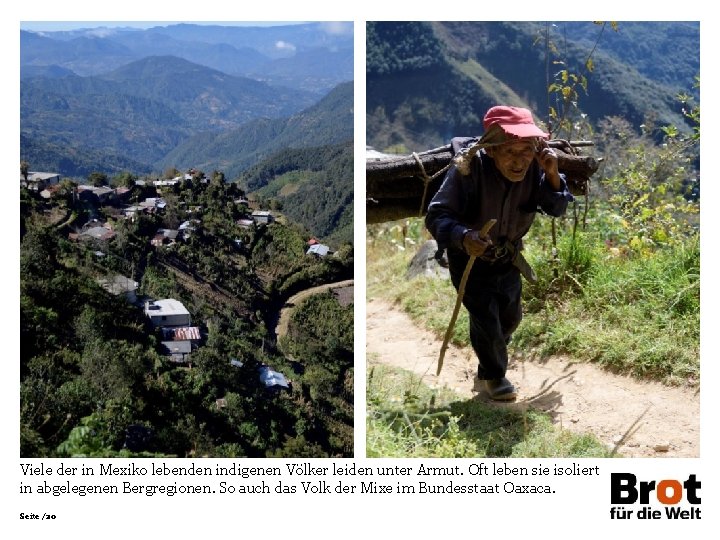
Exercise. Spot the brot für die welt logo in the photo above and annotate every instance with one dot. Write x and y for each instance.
(679, 499)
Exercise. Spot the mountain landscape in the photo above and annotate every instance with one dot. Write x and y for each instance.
(427, 82)
(141, 94)
(182, 190)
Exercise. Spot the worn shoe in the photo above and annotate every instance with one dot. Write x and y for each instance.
(500, 389)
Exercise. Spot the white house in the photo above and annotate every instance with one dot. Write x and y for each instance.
(167, 312)
(38, 181)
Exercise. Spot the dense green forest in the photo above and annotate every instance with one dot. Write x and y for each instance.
(94, 379)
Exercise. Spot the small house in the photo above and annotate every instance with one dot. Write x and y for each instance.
(153, 203)
(321, 250)
(120, 285)
(186, 228)
(167, 183)
(164, 236)
(99, 234)
(167, 312)
(181, 333)
(178, 351)
(272, 379)
(38, 181)
(263, 217)
(90, 193)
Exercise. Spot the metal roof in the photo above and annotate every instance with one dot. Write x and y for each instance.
(272, 378)
(183, 333)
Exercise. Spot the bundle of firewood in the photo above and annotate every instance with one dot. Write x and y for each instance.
(395, 186)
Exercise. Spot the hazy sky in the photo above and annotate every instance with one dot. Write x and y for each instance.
(54, 26)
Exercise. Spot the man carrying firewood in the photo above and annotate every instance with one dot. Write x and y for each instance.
(505, 177)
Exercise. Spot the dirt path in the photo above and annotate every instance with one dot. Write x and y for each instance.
(296, 299)
(580, 397)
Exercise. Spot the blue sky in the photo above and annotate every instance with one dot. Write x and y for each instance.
(54, 26)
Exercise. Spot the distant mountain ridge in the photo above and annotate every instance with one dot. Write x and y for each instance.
(322, 53)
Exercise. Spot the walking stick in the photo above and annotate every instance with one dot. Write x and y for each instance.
(461, 293)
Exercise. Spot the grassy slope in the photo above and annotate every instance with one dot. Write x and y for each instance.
(408, 419)
(637, 315)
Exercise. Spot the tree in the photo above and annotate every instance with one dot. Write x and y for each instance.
(218, 177)
(66, 190)
(97, 179)
(124, 179)
(24, 169)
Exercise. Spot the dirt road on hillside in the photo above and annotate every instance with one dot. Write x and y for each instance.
(578, 396)
(297, 299)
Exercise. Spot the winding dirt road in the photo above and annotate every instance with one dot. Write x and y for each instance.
(286, 312)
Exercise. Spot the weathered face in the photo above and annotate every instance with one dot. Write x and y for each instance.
(513, 159)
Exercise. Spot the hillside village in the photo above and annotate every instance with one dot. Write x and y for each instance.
(205, 269)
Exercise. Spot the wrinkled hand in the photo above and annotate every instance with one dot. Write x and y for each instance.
(474, 244)
(547, 159)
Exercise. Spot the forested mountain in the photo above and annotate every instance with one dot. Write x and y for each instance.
(83, 55)
(427, 82)
(205, 97)
(313, 186)
(330, 121)
(144, 109)
(667, 52)
(77, 162)
(316, 70)
(49, 72)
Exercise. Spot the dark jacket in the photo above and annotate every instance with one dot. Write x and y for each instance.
(467, 202)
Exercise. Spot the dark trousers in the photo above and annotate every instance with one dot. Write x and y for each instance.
(492, 298)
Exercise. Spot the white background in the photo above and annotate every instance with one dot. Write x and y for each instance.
(579, 508)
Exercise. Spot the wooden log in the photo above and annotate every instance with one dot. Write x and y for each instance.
(394, 186)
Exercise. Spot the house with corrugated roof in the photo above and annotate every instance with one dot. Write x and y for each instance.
(181, 333)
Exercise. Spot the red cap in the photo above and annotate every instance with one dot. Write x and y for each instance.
(514, 121)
